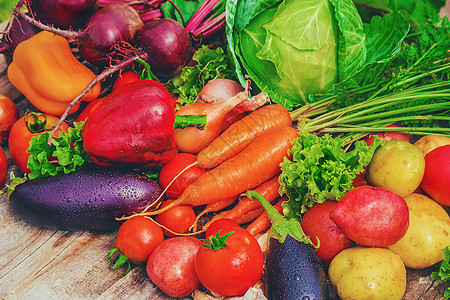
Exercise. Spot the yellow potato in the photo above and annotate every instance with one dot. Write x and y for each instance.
(428, 233)
(398, 166)
(431, 142)
(368, 273)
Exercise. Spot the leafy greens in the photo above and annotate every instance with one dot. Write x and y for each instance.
(444, 271)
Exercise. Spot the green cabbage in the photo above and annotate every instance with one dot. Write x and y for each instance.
(293, 49)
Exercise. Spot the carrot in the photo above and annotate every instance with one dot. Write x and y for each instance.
(241, 133)
(213, 207)
(263, 222)
(252, 166)
(250, 215)
(268, 189)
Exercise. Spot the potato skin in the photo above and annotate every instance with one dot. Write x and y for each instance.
(428, 233)
(427, 143)
(398, 166)
(368, 273)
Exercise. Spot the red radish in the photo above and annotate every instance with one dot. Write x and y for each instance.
(388, 135)
(64, 14)
(436, 179)
(192, 140)
(316, 224)
(372, 216)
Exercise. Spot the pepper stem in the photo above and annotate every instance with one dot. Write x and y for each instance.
(198, 121)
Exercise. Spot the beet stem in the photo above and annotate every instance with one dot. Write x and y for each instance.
(205, 8)
(96, 80)
(13, 16)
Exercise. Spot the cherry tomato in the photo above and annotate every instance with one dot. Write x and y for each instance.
(8, 116)
(85, 113)
(3, 166)
(125, 78)
(220, 224)
(28, 126)
(316, 223)
(435, 179)
(178, 219)
(173, 168)
(233, 269)
(137, 238)
(388, 136)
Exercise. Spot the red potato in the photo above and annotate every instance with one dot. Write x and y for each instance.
(436, 178)
(317, 224)
(388, 136)
(372, 216)
(171, 266)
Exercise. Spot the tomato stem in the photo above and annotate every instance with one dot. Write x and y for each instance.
(119, 261)
(216, 242)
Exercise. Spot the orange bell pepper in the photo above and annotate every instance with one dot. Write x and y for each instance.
(47, 73)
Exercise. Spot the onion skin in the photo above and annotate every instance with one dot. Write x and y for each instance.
(110, 25)
(167, 44)
(218, 90)
(64, 14)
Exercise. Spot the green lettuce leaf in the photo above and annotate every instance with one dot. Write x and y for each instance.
(64, 154)
(444, 271)
(320, 169)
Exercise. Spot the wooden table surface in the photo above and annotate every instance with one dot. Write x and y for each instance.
(37, 263)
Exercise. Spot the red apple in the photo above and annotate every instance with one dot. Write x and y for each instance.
(372, 216)
(316, 223)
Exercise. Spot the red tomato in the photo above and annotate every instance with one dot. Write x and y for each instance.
(316, 223)
(125, 78)
(137, 238)
(220, 224)
(23, 130)
(389, 135)
(85, 113)
(178, 219)
(436, 178)
(174, 168)
(232, 270)
(3, 166)
(8, 116)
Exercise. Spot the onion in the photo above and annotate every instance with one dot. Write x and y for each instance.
(218, 90)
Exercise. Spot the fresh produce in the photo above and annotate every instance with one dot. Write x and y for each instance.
(3, 166)
(191, 139)
(247, 170)
(168, 45)
(229, 262)
(218, 90)
(368, 273)
(427, 233)
(19, 31)
(8, 116)
(144, 137)
(389, 135)
(242, 133)
(174, 178)
(23, 130)
(398, 166)
(430, 142)
(327, 43)
(293, 270)
(436, 175)
(262, 223)
(318, 168)
(86, 200)
(171, 266)
(371, 216)
(218, 225)
(135, 241)
(317, 224)
(444, 270)
(176, 220)
(46, 72)
(214, 207)
(82, 117)
(64, 14)
(125, 78)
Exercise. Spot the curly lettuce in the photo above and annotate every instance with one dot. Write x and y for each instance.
(318, 168)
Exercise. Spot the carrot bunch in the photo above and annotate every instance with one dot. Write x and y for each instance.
(245, 156)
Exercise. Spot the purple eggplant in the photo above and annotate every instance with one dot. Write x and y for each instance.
(293, 269)
(84, 200)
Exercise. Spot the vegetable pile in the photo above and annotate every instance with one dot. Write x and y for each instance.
(218, 144)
